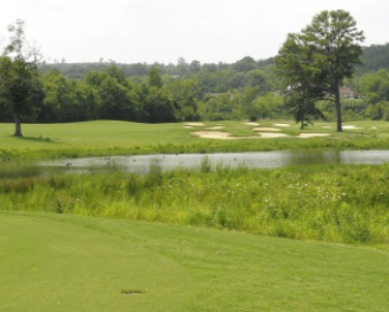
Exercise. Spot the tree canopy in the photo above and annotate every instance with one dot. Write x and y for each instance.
(314, 63)
(18, 76)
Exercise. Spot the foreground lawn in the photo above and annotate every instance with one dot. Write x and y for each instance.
(117, 138)
(70, 263)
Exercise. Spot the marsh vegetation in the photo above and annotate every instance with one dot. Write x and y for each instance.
(345, 204)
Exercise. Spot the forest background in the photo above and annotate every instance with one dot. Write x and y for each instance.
(191, 91)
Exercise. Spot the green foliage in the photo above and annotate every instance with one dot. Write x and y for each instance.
(188, 91)
(154, 78)
(375, 57)
(375, 86)
(338, 204)
(314, 63)
(205, 165)
(19, 86)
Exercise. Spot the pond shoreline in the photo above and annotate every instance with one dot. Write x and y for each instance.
(141, 164)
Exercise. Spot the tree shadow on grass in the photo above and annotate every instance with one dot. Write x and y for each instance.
(39, 139)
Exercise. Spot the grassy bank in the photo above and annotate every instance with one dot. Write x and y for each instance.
(71, 263)
(346, 204)
(118, 138)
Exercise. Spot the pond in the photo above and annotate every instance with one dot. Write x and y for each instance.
(141, 164)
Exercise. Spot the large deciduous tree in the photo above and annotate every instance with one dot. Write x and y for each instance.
(18, 75)
(314, 63)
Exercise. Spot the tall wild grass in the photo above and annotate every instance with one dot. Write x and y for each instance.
(348, 204)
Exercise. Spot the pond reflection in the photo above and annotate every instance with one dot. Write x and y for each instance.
(140, 164)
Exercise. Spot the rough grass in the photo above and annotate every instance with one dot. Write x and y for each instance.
(118, 138)
(347, 204)
(69, 263)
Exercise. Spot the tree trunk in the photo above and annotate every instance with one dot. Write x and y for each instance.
(338, 110)
(18, 126)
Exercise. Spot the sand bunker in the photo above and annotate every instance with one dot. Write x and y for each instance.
(214, 135)
(221, 135)
(266, 129)
(194, 124)
(326, 127)
(313, 135)
(251, 123)
(267, 135)
(351, 127)
(261, 135)
(282, 125)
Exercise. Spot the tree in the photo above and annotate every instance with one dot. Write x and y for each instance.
(154, 77)
(185, 93)
(245, 64)
(315, 62)
(18, 76)
(157, 105)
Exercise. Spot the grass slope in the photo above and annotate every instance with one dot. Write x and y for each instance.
(115, 138)
(72, 263)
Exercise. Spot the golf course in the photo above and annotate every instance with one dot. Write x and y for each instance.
(298, 238)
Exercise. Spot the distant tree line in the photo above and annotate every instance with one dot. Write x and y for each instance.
(185, 91)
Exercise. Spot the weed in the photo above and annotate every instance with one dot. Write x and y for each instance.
(205, 165)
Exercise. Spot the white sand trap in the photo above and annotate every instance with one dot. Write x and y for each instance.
(266, 129)
(351, 127)
(269, 135)
(188, 127)
(326, 127)
(313, 135)
(215, 128)
(194, 124)
(373, 128)
(261, 135)
(251, 123)
(282, 125)
(214, 135)
(222, 135)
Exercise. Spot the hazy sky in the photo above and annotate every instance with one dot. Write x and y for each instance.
(130, 31)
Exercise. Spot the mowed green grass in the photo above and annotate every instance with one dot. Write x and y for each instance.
(89, 138)
(115, 138)
(70, 263)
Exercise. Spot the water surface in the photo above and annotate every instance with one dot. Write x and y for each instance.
(141, 164)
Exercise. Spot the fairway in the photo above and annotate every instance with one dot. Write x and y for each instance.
(72, 263)
(96, 138)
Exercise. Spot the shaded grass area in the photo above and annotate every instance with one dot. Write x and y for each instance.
(99, 138)
(70, 263)
(346, 204)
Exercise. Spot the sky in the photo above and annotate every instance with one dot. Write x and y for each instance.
(149, 31)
